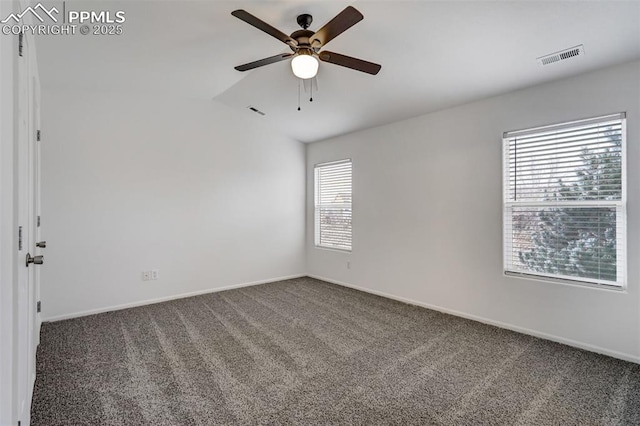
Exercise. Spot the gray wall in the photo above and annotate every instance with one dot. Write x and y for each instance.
(210, 197)
(427, 213)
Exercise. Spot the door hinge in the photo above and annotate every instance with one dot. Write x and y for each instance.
(38, 306)
(38, 221)
(38, 135)
(19, 238)
(20, 40)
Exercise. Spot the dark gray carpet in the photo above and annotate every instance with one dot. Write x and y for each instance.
(311, 353)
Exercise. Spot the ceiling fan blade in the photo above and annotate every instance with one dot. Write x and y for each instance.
(265, 61)
(263, 26)
(339, 24)
(349, 62)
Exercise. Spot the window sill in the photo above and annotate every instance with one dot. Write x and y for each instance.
(571, 283)
(333, 249)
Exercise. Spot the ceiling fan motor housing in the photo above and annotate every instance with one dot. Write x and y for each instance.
(303, 37)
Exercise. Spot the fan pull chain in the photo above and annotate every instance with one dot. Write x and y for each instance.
(299, 82)
(311, 98)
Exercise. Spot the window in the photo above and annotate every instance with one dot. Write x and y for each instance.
(333, 205)
(565, 202)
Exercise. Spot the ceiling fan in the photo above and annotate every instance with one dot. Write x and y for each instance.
(306, 44)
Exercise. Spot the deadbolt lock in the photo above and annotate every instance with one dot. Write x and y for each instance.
(41, 244)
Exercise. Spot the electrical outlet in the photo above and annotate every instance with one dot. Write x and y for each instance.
(349, 265)
(146, 275)
(154, 274)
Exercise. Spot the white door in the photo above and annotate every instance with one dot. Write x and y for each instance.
(27, 175)
(40, 244)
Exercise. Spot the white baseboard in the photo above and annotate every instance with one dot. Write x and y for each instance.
(166, 298)
(523, 330)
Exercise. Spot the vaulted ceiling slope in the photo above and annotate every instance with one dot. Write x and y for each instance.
(434, 55)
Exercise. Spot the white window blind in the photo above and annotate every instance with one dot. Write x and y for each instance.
(333, 205)
(565, 202)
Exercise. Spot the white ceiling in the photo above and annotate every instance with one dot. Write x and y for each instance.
(434, 55)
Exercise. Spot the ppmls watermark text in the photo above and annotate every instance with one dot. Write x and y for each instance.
(40, 20)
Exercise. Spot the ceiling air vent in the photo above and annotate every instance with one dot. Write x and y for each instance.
(562, 55)
(256, 110)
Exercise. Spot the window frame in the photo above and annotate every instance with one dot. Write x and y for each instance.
(317, 206)
(620, 206)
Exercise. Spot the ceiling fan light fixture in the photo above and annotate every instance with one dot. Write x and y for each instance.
(304, 65)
